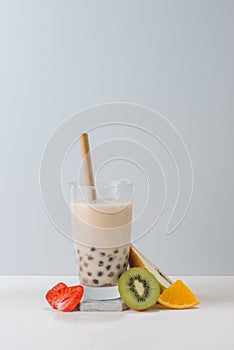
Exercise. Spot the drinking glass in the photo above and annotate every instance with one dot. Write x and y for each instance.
(101, 225)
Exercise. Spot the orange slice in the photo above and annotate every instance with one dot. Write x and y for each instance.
(178, 296)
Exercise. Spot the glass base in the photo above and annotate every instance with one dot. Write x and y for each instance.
(103, 305)
(101, 293)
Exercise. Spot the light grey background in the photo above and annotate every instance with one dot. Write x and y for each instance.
(61, 56)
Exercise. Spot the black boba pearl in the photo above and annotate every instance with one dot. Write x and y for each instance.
(118, 266)
(81, 268)
(92, 249)
(119, 275)
(90, 257)
(78, 251)
(111, 258)
(81, 258)
(100, 263)
(95, 281)
(124, 265)
(126, 257)
(116, 251)
(102, 253)
(108, 267)
(89, 273)
(111, 274)
(100, 273)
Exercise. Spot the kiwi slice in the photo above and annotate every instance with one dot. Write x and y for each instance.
(138, 288)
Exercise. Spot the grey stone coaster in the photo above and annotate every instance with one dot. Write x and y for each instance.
(103, 305)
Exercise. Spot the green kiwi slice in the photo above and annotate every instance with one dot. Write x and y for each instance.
(138, 288)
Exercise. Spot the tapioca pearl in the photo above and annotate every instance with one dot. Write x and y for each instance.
(95, 281)
(81, 269)
(84, 281)
(86, 264)
(111, 274)
(108, 267)
(100, 273)
(102, 253)
(90, 257)
(124, 265)
(119, 275)
(81, 258)
(126, 257)
(89, 273)
(110, 258)
(118, 266)
(78, 251)
(116, 251)
(108, 284)
(101, 263)
(92, 249)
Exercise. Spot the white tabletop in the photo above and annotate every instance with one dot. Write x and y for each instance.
(27, 322)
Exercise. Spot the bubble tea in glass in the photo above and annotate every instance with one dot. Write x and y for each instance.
(102, 235)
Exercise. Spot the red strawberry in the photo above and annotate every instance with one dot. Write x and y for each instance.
(51, 294)
(64, 298)
(68, 299)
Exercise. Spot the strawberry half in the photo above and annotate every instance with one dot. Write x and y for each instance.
(64, 298)
(51, 295)
(68, 299)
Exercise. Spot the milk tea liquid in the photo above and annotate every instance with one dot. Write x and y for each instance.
(102, 234)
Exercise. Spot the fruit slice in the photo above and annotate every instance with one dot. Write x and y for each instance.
(138, 288)
(64, 298)
(68, 298)
(137, 259)
(51, 295)
(178, 296)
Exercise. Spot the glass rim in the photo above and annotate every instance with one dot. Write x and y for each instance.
(103, 184)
